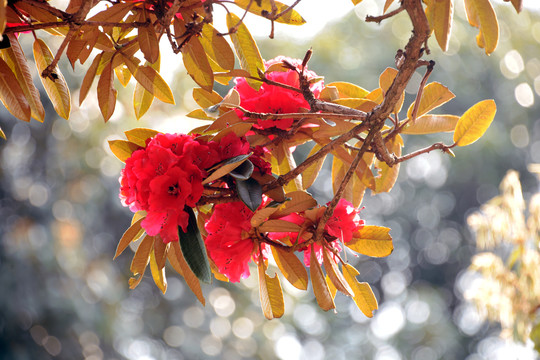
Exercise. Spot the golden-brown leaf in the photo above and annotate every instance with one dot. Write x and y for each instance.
(291, 17)
(148, 40)
(139, 136)
(176, 258)
(133, 233)
(89, 78)
(57, 90)
(216, 47)
(348, 90)
(142, 255)
(388, 175)
(310, 174)
(431, 124)
(363, 295)
(331, 287)
(158, 274)
(123, 149)
(480, 14)
(123, 75)
(106, 93)
(3, 4)
(299, 201)
(442, 12)
(332, 270)
(474, 123)
(278, 225)
(197, 65)
(387, 5)
(291, 267)
(246, 50)
(12, 95)
(320, 287)
(270, 294)
(370, 240)
(206, 99)
(16, 60)
(150, 79)
(434, 95)
(142, 99)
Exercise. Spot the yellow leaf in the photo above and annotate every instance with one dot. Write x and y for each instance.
(12, 95)
(123, 149)
(339, 169)
(16, 60)
(370, 240)
(197, 65)
(348, 90)
(206, 99)
(199, 114)
(57, 90)
(3, 4)
(224, 121)
(246, 50)
(298, 201)
(431, 124)
(216, 47)
(176, 258)
(387, 78)
(106, 93)
(332, 270)
(123, 75)
(359, 188)
(474, 123)
(261, 215)
(148, 40)
(387, 5)
(142, 255)
(133, 233)
(139, 136)
(279, 226)
(240, 129)
(356, 2)
(291, 267)
(89, 78)
(331, 287)
(310, 174)
(150, 79)
(142, 99)
(270, 294)
(320, 287)
(363, 170)
(434, 95)
(442, 12)
(480, 14)
(158, 273)
(363, 295)
(2, 134)
(388, 175)
(291, 17)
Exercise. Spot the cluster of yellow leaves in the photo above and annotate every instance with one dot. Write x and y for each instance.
(509, 290)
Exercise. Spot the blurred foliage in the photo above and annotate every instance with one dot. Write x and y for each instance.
(60, 221)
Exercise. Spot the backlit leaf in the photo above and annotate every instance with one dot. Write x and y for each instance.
(123, 149)
(16, 60)
(431, 124)
(278, 225)
(442, 12)
(291, 267)
(133, 233)
(197, 65)
(348, 90)
(106, 92)
(12, 95)
(246, 50)
(356, 2)
(142, 98)
(291, 17)
(270, 293)
(3, 4)
(388, 175)
(226, 167)
(2, 134)
(261, 215)
(320, 287)
(89, 78)
(194, 249)
(123, 75)
(363, 295)
(206, 99)
(150, 79)
(298, 201)
(480, 14)
(310, 174)
(176, 258)
(474, 123)
(374, 241)
(434, 95)
(332, 270)
(57, 90)
(216, 47)
(140, 135)
(158, 274)
(387, 5)
(331, 287)
(148, 40)
(142, 255)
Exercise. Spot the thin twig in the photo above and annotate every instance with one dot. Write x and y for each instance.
(378, 19)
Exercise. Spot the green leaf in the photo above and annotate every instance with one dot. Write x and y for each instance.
(250, 192)
(194, 250)
(474, 123)
(246, 50)
(291, 17)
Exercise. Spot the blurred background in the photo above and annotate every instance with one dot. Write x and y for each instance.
(63, 296)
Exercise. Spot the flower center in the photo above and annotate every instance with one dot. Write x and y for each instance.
(173, 190)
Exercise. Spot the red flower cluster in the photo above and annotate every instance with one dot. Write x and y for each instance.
(229, 242)
(166, 176)
(274, 99)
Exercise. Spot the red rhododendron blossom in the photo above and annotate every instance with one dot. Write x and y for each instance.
(275, 99)
(229, 243)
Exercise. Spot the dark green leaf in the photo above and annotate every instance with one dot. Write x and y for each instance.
(250, 192)
(244, 171)
(194, 249)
